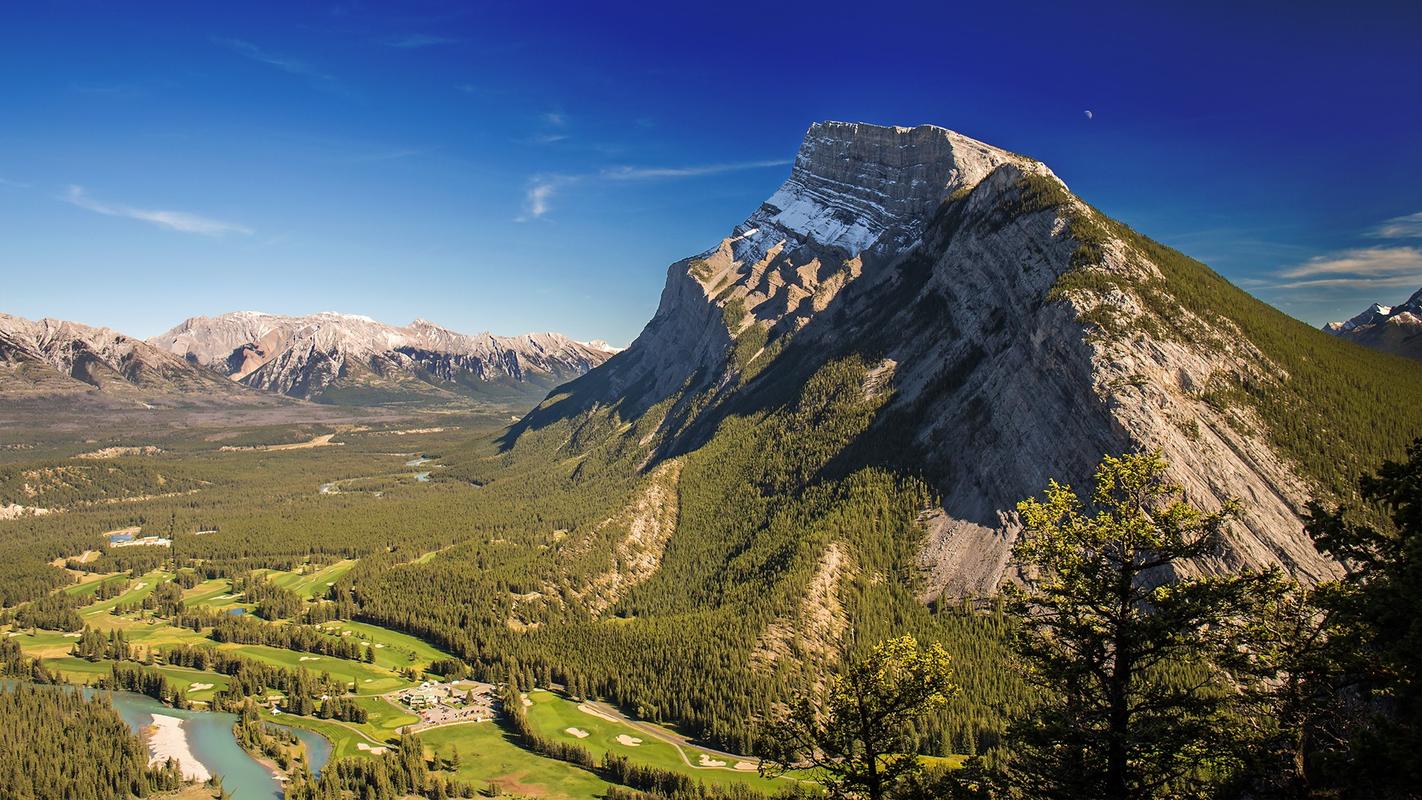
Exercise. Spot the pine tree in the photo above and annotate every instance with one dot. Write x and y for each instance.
(1132, 664)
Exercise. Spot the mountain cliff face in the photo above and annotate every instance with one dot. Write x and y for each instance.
(991, 331)
(1395, 329)
(336, 357)
(52, 357)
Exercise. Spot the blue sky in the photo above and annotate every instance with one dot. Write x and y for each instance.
(536, 166)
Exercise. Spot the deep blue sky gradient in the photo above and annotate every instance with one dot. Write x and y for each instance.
(536, 166)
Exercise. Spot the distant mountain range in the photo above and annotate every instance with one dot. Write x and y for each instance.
(1391, 329)
(327, 357)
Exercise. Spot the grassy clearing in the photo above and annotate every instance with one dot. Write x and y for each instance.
(141, 588)
(312, 584)
(552, 716)
(88, 587)
(381, 729)
(367, 678)
(488, 756)
(207, 592)
(397, 650)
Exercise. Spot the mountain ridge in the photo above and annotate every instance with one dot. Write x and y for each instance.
(317, 355)
(1390, 329)
(1014, 333)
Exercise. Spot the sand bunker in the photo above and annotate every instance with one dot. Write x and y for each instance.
(578, 732)
(167, 739)
(746, 766)
(375, 751)
(629, 741)
(708, 761)
(198, 687)
(309, 658)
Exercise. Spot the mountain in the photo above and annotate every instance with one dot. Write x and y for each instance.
(1396, 329)
(341, 358)
(944, 325)
(53, 357)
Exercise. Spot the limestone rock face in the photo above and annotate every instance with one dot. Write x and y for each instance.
(307, 356)
(941, 260)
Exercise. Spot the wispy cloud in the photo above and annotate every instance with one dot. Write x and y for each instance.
(13, 184)
(538, 196)
(172, 220)
(415, 41)
(388, 155)
(1408, 226)
(542, 188)
(292, 66)
(625, 173)
(1360, 267)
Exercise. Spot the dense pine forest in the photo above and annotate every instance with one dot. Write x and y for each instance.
(54, 743)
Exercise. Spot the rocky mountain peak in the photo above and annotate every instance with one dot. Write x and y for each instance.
(1391, 329)
(856, 185)
(994, 315)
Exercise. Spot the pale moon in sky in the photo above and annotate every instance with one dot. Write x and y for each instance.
(1088, 115)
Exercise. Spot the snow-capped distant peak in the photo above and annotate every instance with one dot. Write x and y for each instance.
(601, 346)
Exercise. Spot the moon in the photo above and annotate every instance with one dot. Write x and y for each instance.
(1088, 115)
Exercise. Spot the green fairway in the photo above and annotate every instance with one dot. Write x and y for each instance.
(89, 587)
(393, 650)
(381, 729)
(367, 678)
(140, 589)
(553, 717)
(312, 584)
(488, 756)
(207, 592)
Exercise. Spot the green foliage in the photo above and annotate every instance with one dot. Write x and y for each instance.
(1134, 668)
(857, 738)
(1375, 623)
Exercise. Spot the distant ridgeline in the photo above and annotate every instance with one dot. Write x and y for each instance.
(245, 357)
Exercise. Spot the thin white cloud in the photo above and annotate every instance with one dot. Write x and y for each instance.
(625, 173)
(13, 184)
(1362, 262)
(172, 220)
(1408, 226)
(555, 118)
(292, 66)
(417, 40)
(542, 188)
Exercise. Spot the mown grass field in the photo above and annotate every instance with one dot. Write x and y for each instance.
(368, 679)
(488, 755)
(393, 650)
(553, 716)
(312, 583)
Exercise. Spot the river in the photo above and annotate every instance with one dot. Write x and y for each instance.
(211, 741)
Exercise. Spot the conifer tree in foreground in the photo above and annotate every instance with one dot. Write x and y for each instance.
(1132, 660)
